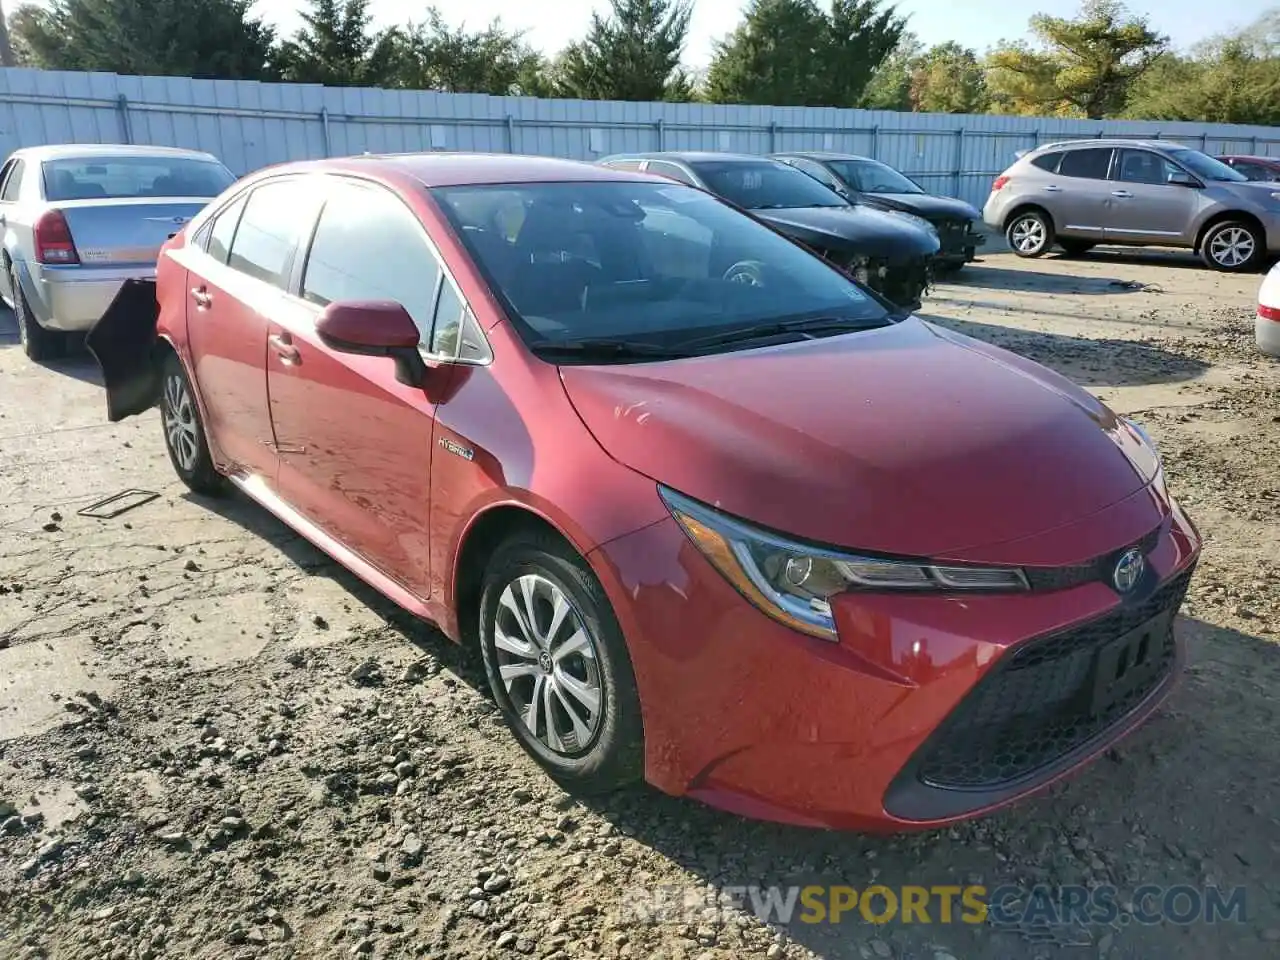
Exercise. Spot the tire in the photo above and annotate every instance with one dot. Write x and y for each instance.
(37, 342)
(1076, 248)
(184, 434)
(1233, 246)
(601, 751)
(1030, 234)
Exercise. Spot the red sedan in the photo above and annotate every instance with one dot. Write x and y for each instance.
(716, 515)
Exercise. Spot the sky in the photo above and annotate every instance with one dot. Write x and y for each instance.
(551, 24)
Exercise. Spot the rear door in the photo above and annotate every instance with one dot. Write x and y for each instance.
(1144, 205)
(234, 286)
(356, 444)
(1078, 194)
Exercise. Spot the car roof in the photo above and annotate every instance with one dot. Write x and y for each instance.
(1110, 142)
(65, 151)
(688, 156)
(824, 155)
(446, 169)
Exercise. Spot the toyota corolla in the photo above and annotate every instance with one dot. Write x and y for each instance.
(773, 544)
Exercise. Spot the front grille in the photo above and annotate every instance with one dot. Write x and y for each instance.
(1098, 569)
(1035, 706)
(903, 284)
(953, 235)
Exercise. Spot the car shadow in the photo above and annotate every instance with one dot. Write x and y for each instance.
(78, 364)
(981, 276)
(1111, 823)
(1088, 362)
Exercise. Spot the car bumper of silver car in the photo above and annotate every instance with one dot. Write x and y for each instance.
(72, 298)
(1267, 331)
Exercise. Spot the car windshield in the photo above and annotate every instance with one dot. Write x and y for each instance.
(1205, 167)
(640, 263)
(764, 184)
(871, 176)
(89, 178)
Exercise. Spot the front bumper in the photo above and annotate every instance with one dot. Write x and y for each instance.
(1267, 334)
(753, 718)
(959, 241)
(72, 298)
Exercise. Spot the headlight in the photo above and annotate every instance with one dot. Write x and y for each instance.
(1140, 432)
(794, 582)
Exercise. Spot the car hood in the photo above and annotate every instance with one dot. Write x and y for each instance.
(907, 439)
(923, 205)
(856, 230)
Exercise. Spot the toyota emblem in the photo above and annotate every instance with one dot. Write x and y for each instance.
(1129, 570)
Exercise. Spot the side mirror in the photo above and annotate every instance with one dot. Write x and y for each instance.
(375, 328)
(1182, 179)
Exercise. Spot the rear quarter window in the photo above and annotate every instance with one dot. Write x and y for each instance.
(1047, 161)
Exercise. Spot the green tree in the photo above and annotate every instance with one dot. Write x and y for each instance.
(1228, 79)
(890, 86)
(793, 53)
(948, 79)
(1085, 66)
(631, 54)
(7, 58)
(337, 48)
(192, 38)
(436, 56)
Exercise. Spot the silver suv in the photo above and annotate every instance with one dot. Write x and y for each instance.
(1134, 192)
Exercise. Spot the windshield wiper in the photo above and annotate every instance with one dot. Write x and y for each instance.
(761, 331)
(608, 349)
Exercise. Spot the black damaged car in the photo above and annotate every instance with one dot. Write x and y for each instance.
(866, 181)
(892, 253)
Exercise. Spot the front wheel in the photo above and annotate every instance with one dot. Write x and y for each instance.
(1232, 246)
(558, 665)
(1030, 234)
(184, 434)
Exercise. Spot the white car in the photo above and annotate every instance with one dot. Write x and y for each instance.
(1267, 326)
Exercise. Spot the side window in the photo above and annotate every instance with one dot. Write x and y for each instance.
(1091, 163)
(1047, 161)
(455, 333)
(273, 219)
(12, 183)
(1143, 166)
(223, 229)
(670, 171)
(817, 171)
(369, 246)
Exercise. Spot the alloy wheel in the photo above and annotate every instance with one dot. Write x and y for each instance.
(549, 665)
(1232, 247)
(180, 427)
(1027, 235)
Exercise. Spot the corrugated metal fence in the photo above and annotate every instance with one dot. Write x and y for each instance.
(250, 125)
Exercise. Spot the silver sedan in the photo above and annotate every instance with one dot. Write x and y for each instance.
(78, 220)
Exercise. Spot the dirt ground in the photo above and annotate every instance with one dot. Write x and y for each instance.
(215, 743)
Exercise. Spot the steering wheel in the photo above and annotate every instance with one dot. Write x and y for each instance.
(750, 272)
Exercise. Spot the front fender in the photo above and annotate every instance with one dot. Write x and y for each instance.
(126, 345)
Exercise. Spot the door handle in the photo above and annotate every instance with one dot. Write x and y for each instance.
(1052, 189)
(283, 346)
(1121, 193)
(202, 298)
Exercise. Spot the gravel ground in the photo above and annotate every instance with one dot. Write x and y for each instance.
(215, 743)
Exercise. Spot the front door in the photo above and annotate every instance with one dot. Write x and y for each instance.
(234, 285)
(355, 444)
(1144, 205)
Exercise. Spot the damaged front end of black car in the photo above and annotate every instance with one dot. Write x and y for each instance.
(128, 349)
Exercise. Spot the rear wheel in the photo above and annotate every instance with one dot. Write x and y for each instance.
(1232, 246)
(37, 342)
(558, 665)
(1030, 233)
(184, 435)
(1075, 248)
